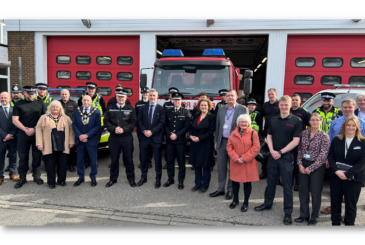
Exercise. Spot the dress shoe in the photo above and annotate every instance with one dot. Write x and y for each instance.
(202, 190)
(139, 165)
(63, 183)
(229, 195)
(216, 193)
(110, 183)
(71, 168)
(296, 187)
(1, 180)
(195, 188)
(7, 169)
(132, 183)
(233, 205)
(38, 180)
(192, 168)
(181, 186)
(149, 165)
(287, 219)
(301, 219)
(141, 182)
(261, 208)
(14, 177)
(168, 183)
(165, 167)
(244, 208)
(51, 186)
(158, 184)
(93, 183)
(79, 181)
(263, 176)
(312, 222)
(326, 210)
(21, 182)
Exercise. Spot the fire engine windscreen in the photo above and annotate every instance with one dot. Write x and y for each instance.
(207, 78)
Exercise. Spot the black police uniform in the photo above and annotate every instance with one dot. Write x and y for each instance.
(113, 101)
(282, 131)
(124, 117)
(219, 104)
(177, 122)
(29, 113)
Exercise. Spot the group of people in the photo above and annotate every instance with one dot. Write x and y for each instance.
(303, 146)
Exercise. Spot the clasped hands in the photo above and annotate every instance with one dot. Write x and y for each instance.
(147, 133)
(240, 160)
(83, 138)
(119, 130)
(29, 131)
(173, 136)
(276, 155)
(304, 170)
(194, 138)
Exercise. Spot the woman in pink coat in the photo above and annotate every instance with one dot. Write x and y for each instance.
(242, 148)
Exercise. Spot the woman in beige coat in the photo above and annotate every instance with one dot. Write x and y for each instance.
(55, 137)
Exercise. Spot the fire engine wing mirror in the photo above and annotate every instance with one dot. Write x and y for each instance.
(143, 80)
(247, 85)
(190, 69)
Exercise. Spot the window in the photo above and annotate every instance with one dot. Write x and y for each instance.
(83, 60)
(63, 59)
(303, 80)
(125, 60)
(357, 80)
(63, 74)
(124, 76)
(331, 80)
(304, 96)
(103, 60)
(305, 62)
(83, 75)
(358, 62)
(3, 71)
(332, 62)
(130, 91)
(104, 91)
(103, 75)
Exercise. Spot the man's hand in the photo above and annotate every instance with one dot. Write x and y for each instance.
(215, 146)
(8, 137)
(29, 131)
(119, 130)
(147, 133)
(276, 155)
(173, 136)
(83, 136)
(341, 174)
(84, 140)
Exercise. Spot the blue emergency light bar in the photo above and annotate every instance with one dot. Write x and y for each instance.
(172, 52)
(214, 52)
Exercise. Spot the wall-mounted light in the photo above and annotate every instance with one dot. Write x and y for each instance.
(356, 20)
(86, 23)
(159, 52)
(258, 66)
(210, 22)
(264, 60)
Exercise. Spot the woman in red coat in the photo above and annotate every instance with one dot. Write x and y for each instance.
(243, 146)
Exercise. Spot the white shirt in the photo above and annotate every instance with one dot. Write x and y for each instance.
(88, 111)
(348, 143)
(120, 106)
(176, 109)
(7, 108)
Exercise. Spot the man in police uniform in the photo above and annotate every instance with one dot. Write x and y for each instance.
(26, 114)
(138, 106)
(16, 94)
(69, 106)
(170, 103)
(113, 101)
(176, 127)
(327, 111)
(120, 120)
(283, 136)
(222, 93)
(42, 90)
(256, 118)
(303, 114)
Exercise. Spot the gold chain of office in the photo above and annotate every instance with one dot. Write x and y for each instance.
(86, 116)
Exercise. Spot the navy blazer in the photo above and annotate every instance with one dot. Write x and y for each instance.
(158, 122)
(6, 124)
(92, 128)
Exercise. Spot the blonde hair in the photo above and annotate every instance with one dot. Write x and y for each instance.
(358, 134)
(273, 89)
(62, 112)
(285, 98)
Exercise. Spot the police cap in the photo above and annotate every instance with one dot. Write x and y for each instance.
(16, 89)
(91, 85)
(145, 90)
(122, 92)
(177, 96)
(41, 85)
(173, 90)
(328, 96)
(222, 92)
(30, 89)
(251, 101)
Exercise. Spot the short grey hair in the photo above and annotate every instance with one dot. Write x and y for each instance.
(55, 102)
(243, 117)
(360, 95)
(153, 90)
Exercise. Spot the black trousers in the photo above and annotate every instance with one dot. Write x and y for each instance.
(9, 145)
(25, 142)
(175, 151)
(311, 183)
(202, 177)
(57, 161)
(140, 153)
(116, 146)
(351, 191)
(149, 148)
(284, 166)
(296, 167)
(247, 188)
(72, 158)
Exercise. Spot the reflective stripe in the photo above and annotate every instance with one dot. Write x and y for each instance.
(254, 125)
(328, 119)
(11, 103)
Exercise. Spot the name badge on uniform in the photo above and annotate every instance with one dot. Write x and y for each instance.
(307, 156)
(225, 126)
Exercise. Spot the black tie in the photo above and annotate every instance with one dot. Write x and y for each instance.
(150, 115)
(85, 112)
(6, 111)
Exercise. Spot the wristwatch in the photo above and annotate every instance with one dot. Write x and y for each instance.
(280, 152)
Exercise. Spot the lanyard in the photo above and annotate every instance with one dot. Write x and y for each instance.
(310, 140)
(228, 117)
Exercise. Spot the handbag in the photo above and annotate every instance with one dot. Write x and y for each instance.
(264, 149)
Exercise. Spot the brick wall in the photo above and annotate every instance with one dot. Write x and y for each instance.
(21, 43)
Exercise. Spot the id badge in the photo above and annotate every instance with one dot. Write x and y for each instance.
(225, 126)
(307, 156)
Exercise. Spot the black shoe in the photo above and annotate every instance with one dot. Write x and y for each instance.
(202, 190)
(71, 168)
(110, 183)
(233, 205)
(195, 188)
(287, 219)
(141, 182)
(296, 187)
(63, 183)
(79, 181)
(7, 169)
(158, 184)
(22, 180)
(312, 222)
(165, 167)
(244, 208)
(192, 168)
(168, 183)
(149, 165)
(229, 195)
(132, 183)
(181, 186)
(93, 183)
(261, 208)
(38, 180)
(51, 186)
(216, 193)
(263, 176)
(139, 165)
(301, 219)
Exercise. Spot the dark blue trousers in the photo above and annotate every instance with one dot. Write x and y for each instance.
(148, 148)
(24, 143)
(92, 151)
(202, 177)
(10, 145)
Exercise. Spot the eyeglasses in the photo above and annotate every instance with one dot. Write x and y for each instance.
(314, 120)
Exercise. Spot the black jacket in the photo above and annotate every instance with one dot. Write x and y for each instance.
(125, 118)
(158, 123)
(114, 101)
(69, 107)
(355, 157)
(197, 111)
(139, 104)
(178, 123)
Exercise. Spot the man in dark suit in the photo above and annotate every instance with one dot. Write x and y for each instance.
(8, 138)
(86, 124)
(151, 120)
(176, 127)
